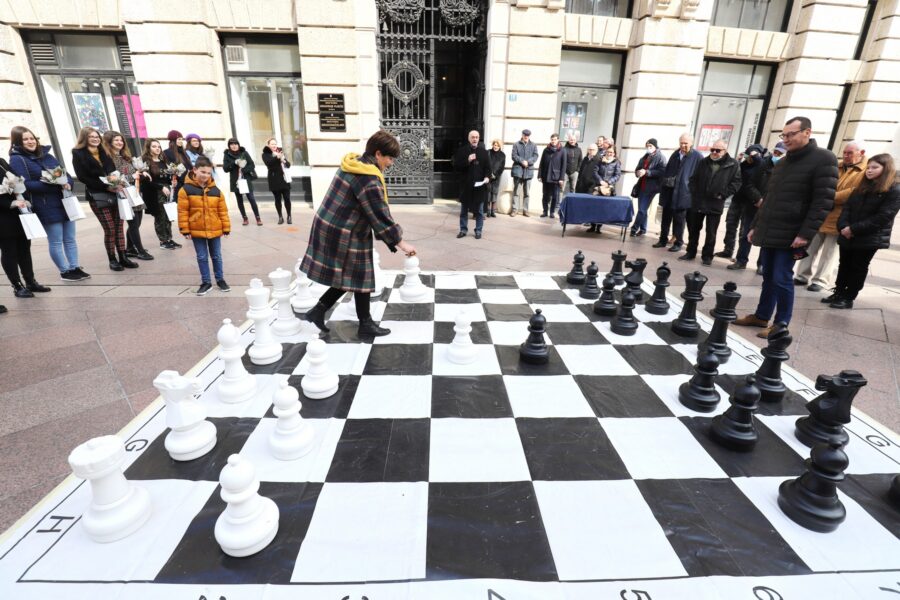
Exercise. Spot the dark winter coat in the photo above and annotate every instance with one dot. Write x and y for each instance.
(152, 188)
(651, 182)
(229, 164)
(747, 193)
(754, 190)
(89, 171)
(10, 224)
(339, 253)
(710, 189)
(527, 152)
(870, 217)
(172, 158)
(573, 157)
(610, 171)
(275, 175)
(498, 163)
(682, 169)
(472, 173)
(553, 165)
(45, 198)
(800, 194)
(588, 175)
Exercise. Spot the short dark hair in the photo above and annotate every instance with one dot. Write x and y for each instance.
(384, 142)
(804, 122)
(554, 135)
(203, 161)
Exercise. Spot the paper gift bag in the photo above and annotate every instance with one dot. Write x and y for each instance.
(133, 196)
(171, 210)
(125, 211)
(287, 175)
(242, 186)
(72, 206)
(32, 226)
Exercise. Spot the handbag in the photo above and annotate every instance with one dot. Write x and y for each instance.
(72, 206)
(102, 199)
(125, 211)
(32, 226)
(636, 190)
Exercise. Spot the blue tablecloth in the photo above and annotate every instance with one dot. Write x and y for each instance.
(587, 208)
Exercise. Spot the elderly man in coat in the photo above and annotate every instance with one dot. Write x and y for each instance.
(675, 195)
(552, 175)
(339, 252)
(524, 157)
(473, 163)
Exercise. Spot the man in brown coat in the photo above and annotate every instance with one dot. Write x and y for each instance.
(824, 244)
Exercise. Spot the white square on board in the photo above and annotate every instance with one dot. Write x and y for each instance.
(469, 450)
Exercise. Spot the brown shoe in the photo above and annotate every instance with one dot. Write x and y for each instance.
(764, 334)
(751, 320)
(524, 213)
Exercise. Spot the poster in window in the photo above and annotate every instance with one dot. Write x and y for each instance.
(131, 121)
(90, 110)
(710, 134)
(572, 119)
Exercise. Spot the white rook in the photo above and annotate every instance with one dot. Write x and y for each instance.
(287, 323)
(191, 435)
(236, 384)
(250, 521)
(265, 349)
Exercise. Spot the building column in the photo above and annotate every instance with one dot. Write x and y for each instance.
(19, 104)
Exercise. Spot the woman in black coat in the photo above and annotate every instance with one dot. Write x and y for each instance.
(498, 163)
(237, 163)
(279, 185)
(155, 187)
(15, 247)
(865, 227)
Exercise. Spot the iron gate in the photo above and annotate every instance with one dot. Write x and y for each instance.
(408, 32)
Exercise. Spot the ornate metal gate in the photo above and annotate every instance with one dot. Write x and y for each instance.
(408, 32)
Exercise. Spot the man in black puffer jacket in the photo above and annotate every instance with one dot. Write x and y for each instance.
(800, 194)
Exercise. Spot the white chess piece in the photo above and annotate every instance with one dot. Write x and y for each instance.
(118, 508)
(412, 290)
(265, 349)
(191, 435)
(319, 381)
(303, 300)
(292, 436)
(287, 323)
(236, 384)
(462, 351)
(250, 521)
(380, 281)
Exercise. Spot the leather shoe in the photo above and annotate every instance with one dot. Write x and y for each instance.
(723, 254)
(369, 328)
(660, 244)
(128, 263)
(34, 286)
(687, 257)
(115, 266)
(21, 291)
(830, 298)
(675, 248)
(706, 261)
(736, 266)
(799, 281)
(814, 287)
(316, 316)
(841, 303)
(751, 320)
(461, 234)
(477, 235)
(144, 255)
(764, 334)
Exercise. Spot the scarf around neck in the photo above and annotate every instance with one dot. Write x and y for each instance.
(351, 164)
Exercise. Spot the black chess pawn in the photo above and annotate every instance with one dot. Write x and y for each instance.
(590, 290)
(625, 323)
(606, 305)
(657, 304)
(734, 428)
(618, 260)
(700, 392)
(686, 324)
(724, 314)
(830, 411)
(768, 375)
(534, 349)
(635, 278)
(811, 500)
(576, 275)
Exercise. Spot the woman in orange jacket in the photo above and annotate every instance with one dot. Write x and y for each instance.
(203, 217)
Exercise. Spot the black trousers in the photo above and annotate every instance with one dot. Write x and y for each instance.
(133, 232)
(853, 268)
(250, 198)
(363, 302)
(551, 197)
(695, 226)
(282, 196)
(675, 219)
(15, 254)
(732, 220)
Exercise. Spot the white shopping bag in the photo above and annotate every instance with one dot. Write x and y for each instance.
(125, 211)
(32, 226)
(287, 175)
(242, 186)
(133, 196)
(72, 206)
(171, 210)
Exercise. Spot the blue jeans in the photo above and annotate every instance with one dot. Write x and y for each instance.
(63, 249)
(206, 249)
(640, 220)
(464, 217)
(778, 287)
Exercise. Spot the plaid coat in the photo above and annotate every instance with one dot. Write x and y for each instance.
(339, 253)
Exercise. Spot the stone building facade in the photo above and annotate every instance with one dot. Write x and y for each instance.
(638, 69)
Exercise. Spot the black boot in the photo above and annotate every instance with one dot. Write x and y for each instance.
(114, 263)
(34, 286)
(21, 291)
(126, 262)
(368, 328)
(316, 316)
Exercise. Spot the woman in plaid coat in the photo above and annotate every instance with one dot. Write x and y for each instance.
(339, 253)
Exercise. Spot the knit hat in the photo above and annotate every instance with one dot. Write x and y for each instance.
(174, 135)
(779, 147)
(191, 136)
(652, 142)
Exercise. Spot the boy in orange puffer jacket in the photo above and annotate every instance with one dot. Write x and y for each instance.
(203, 217)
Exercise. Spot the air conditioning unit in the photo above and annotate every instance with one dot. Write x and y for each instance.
(236, 57)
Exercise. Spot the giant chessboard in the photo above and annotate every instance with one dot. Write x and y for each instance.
(584, 478)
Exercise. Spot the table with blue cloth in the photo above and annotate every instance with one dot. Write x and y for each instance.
(603, 210)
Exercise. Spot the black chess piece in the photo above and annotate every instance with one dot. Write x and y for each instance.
(686, 324)
(606, 305)
(724, 314)
(534, 350)
(811, 500)
(768, 375)
(700, 392)
(657, 304)
(618, 260)
(625, 323)
(635, 278)
(734, 428)
(590, 289)
(894, 491)
(830, 411)
(576, 275)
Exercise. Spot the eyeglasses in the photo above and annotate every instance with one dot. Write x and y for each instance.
(788, 135)
(716, 151)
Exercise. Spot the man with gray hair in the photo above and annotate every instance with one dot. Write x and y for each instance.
(675, 195)
(573, 161)
(524, 157)
(851, 171)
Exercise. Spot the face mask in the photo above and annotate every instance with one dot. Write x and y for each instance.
(775, 159)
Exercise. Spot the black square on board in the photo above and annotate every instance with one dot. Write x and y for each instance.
(444, 332)
(664, 331)
(621, 396)
(512, 364)
(792, 403)
(291, 355)
(568, 334)
(336, 406)
(467, 296)
(399, 359)
(373, 450)
(427, 279)
(508, 312)
(546, 297)
(492, 282)
(471, 397)
(588, 310)
(650, 359)
(486, 531)
(565, 285)
(569, 449)
(871, 492)
(419, 311)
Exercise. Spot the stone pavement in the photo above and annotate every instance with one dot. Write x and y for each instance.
(79, 362)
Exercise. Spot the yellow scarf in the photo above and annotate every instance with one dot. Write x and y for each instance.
(351, 164)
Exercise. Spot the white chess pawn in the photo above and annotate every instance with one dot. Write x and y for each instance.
(191, 435)
(236, 384)
(118, 508)
(412, 290)
(302, 300)
(319, 381)
(462, 351)
(250, 521)
(265, 348)
(287, 323)
(292, 436)
(380, 281)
